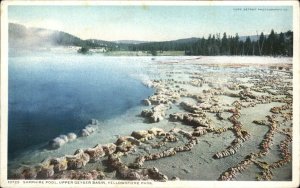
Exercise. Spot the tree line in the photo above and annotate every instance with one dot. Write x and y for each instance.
(274, 44)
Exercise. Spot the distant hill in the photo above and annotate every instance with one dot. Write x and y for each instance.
(279, 44)
(100, 43)
(187, 40)
(130, 41)
(21, 36)
(192, 39)
(252, 38)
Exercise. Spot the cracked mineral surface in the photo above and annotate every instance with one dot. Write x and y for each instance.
(206, 120)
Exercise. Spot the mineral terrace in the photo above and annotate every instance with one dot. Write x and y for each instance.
(206, 122)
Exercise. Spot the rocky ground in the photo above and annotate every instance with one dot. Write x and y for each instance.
(206, 122)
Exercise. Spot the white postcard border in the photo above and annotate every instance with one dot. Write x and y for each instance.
(118, 183)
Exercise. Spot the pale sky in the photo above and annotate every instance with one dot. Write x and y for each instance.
(153, 23)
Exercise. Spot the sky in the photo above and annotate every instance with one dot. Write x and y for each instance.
(153, 23)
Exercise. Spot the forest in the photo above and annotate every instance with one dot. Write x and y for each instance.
(273, 44)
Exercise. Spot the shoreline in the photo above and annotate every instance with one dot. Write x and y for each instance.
(195, 123)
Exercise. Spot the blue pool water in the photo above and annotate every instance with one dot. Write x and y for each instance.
(56, 93)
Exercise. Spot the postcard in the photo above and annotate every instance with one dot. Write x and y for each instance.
(149, 94)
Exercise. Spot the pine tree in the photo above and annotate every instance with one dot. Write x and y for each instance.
(224, 45)
(270, 43)
(260, 43)
(289, 43)
(280, 47)
(247, 46)
(236, 44)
